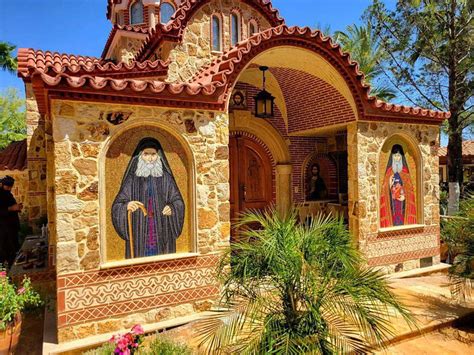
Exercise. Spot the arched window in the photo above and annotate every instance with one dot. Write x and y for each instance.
(234, 29)
(253, 28)
(166, 12)
(216, 33)
(136, 13)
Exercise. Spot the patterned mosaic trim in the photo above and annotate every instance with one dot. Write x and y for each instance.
(403, 233)
(398, 258)
(90, 296)
(139, 305)
(134, 271)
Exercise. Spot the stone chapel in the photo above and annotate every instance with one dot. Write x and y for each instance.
(196, 111)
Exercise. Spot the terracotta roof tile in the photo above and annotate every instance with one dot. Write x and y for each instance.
(53, 63)
(13, 157)
(225, 69)
(173, 31)
(467, 149)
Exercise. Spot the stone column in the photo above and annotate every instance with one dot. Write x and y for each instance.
(151, 16)
(283, 187)
(36, 157)
(353, 183)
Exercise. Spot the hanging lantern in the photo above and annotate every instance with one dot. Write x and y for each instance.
(264, 100)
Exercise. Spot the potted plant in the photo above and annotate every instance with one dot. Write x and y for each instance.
(12, 302)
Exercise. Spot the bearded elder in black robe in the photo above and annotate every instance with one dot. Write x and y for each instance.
(149, 184)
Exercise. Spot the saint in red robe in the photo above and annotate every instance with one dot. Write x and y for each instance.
(397, 198)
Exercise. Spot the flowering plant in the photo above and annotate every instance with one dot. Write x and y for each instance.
(13, 300)
(127, 344)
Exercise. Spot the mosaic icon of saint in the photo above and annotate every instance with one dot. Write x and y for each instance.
(397, 198)
(148, 211)
(316, 187)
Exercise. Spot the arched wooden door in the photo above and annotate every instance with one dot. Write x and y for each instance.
(250, 176)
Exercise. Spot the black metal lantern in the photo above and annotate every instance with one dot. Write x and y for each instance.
(264, 100)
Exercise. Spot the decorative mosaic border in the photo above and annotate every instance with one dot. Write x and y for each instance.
(384, 248)
(91, 296)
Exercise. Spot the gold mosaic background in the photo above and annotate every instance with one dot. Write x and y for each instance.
(117, 159)
(412, 167)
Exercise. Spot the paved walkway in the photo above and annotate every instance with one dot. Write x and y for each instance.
(429, 298)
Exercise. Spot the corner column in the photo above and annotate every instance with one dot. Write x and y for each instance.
(283, 187)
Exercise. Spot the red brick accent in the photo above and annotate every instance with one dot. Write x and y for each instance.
(301, 148)
(311, 102)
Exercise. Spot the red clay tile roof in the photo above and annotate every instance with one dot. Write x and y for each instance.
(467, 149)
(225, 70)
(173, 31)
(13, 157)
(212, 85)
(116, 28)
(53, 64)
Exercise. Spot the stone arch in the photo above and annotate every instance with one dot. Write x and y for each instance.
(287, 46)
(264, 133)
(182, 163)
(414, 159)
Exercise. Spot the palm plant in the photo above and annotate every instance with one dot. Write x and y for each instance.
(7, 61)
(295, 289)
(362, 44)
(458, 233)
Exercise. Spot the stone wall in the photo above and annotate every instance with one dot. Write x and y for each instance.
(36, 159)
(80, 139)
(402, 247)
(195, 50)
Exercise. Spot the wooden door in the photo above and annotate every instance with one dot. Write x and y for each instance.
(250, 176)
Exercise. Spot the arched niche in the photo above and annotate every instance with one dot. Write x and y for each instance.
(399, 183)
(327, 172)
(114, 163)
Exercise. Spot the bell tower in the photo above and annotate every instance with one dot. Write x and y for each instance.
(141, 13)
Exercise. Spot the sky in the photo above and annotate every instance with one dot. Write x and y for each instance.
(81, 26)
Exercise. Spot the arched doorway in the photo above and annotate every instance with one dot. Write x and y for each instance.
(251, 182)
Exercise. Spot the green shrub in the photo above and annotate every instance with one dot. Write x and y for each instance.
(13, 300)
(458, 233)
(164, 346)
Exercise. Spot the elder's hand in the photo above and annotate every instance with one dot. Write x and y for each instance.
(134, 205)
(167, 211)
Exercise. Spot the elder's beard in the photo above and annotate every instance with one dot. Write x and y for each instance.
(397, 166)
(146, 169)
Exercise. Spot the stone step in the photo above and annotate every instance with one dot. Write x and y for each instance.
(430, 270)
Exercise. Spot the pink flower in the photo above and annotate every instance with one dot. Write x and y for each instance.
(3, 274)
(122, 343)
(21, 291)
(138, 329)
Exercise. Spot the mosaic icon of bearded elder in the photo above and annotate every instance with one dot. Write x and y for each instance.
(397, 198)
(148, 211)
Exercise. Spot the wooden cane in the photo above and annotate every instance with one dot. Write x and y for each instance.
(130, 229)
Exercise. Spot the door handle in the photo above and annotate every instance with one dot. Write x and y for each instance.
(244, 191)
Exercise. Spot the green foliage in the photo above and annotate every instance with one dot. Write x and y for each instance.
(7, 61)
(164, 346)
(430, 50)
(363, 45)
(295, 289)
(13, 301)
(458, 233)
(106, 349)
(12, 118)
(161, 345)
